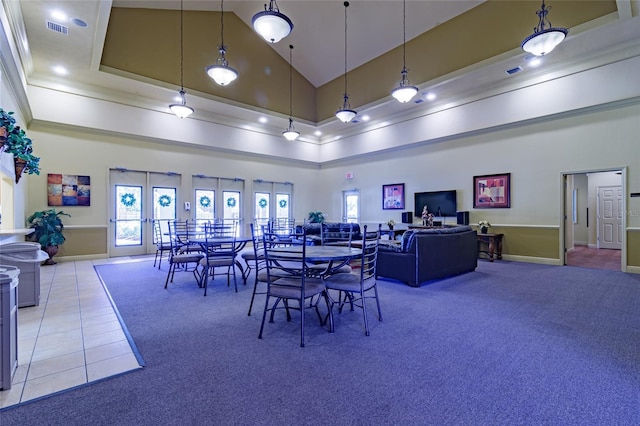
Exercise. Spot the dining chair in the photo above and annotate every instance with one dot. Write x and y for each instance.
(289, 279)
(219, 252)
(255, 260)
(184, 232)
(162, 245)
(354, 286)
(180, 259)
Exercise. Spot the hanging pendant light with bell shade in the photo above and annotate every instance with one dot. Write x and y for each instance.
(291, 134)
(272, 25)
(182, 110)
(221, 72)
(405, 92)
(545, 37)
(345, 114)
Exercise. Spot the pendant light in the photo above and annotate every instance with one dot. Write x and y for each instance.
(545, 37)
(181, 109)
(405, 92)
(345, 114)
(291, 134)
(272, 25)
(221, 72)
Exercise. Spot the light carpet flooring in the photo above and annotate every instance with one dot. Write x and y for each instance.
(72, 338)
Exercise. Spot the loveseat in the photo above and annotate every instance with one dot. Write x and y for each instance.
(327, 232)
(429, 254)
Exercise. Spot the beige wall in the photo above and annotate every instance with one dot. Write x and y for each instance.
(536, 155)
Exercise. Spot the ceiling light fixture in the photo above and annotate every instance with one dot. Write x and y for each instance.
(345, 114)
(545, 37)
(291, 134)
(221, 72)
(272, 25)
(405, 92)
(182, 110)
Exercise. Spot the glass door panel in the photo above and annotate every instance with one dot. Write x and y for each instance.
(351, 207)
(205, 206)
(231, 207)
(283, 208)
(128, 220)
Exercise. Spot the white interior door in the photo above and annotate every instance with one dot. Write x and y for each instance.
(610, 217)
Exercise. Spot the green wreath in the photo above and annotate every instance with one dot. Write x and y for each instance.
(231, 202)
(164, 200)
(205, 201)
(128, 199)
(282, 203)
(262, 203)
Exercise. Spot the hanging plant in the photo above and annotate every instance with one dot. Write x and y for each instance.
(164, 200)
(205, 201)
(128, 200)
(231, 202)
(282, 203)
(262, 203)
(14, 140)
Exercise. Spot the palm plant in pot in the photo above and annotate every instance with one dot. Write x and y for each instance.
(14, 140)
(48, 231)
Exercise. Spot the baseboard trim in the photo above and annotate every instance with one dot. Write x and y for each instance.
(531, 259)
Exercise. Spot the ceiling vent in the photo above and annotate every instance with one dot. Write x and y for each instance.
(57, 28)
(514, 70)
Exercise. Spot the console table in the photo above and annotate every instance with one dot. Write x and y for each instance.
(494, 241)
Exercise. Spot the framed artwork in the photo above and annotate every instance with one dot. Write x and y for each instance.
(492, 191)
(68, 190)
(393, 196)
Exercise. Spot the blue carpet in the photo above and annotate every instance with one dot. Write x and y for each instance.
(511, 343)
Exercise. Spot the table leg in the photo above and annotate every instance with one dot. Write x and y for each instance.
(491, 248)
(500, 248)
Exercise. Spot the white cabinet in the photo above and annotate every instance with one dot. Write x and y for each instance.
(8, 324)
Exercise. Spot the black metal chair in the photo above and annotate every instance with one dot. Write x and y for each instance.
(355, 286)
(289, 278)
(220, 252)
(162, 245)
(256, 261)
(180, 259)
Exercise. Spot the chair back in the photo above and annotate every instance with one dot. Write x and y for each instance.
(370, 245)
(157, 233)
(220, 239)
(285, 263)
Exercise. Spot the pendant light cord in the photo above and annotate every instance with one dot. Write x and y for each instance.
(346, 5)
(222, 46)
(181, 50)
(404, 33)
(290, 80)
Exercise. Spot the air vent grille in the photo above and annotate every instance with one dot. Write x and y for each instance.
(514, 70)
(57, 28)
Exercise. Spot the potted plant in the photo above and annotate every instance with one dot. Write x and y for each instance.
(390, 224)
(316, 217)
(48, 231)
(14, 140)
(484, 226)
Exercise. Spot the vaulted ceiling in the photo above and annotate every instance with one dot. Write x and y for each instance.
(129, 52)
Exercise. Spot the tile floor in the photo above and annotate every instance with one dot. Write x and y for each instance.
(72, 338)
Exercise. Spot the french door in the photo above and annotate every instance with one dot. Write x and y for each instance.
(137, 198)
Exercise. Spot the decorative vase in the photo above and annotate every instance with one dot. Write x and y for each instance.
(19, 166)
(51, 251)
(390, 227)
(484, 230)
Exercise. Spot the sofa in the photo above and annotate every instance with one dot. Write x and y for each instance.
(328, 233)
(429, 254)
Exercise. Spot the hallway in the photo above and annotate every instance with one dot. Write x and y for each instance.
(587, 257)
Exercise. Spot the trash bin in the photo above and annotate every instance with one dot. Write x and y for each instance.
(26, 256)
(8, 325)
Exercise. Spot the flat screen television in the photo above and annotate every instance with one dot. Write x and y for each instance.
(440, 203)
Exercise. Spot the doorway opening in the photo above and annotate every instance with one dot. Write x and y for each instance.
(594, 220)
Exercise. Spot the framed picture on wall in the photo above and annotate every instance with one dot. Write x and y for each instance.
(492, 191)
(393, 196)
(68, 190)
